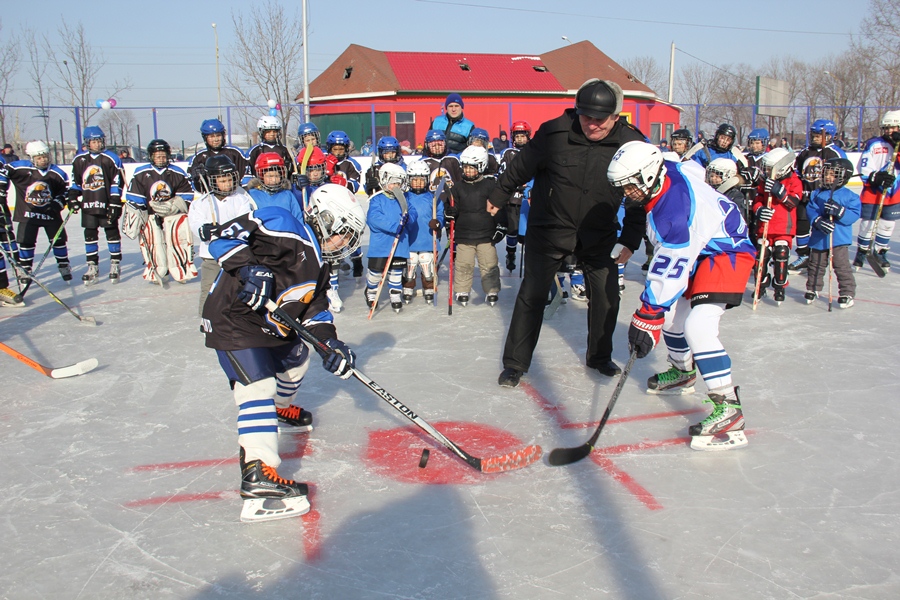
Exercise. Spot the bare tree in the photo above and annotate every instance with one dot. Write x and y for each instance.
(646, 70)
(265, 59)
(40, 91)
(119, 126)
(737, 94)
(9, 64)
(696, 84)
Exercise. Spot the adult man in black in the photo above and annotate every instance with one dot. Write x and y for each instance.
(573, 210)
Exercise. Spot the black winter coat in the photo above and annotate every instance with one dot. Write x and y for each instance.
(573, 206)
(475, 225)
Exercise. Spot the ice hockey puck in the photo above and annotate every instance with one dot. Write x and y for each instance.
(424, 460)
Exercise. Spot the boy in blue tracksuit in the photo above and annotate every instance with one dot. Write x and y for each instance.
(832, 211)
(388, 223)
(422, 231)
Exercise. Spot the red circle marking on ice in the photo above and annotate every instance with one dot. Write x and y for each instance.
(395, 453)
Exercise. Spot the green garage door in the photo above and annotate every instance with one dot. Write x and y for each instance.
(357, 125)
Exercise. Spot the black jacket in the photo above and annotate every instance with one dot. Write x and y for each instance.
(573, 207)
(474, 225)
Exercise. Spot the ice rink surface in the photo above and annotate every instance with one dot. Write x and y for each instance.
(122, 483)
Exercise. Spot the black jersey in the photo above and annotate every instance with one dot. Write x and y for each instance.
(351, 171)
(810, 162)
(446, 166)
(278, 149)
(99, 179)
(40, 195)
(235, 154)
(155, 188)
(505, 158)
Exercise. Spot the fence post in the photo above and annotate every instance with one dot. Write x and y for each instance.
(228, 119)
(77, 130)
(62, 139)
(859, 124)
(155, 124)
(696, 119)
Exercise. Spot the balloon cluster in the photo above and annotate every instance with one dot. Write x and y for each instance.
(274, 107)
(105, 104)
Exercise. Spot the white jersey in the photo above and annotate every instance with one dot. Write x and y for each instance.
(876, 156)
(210, 209)
(688, 221)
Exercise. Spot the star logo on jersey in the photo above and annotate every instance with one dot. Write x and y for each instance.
(93, 179)
(38, 194)
(160, 191)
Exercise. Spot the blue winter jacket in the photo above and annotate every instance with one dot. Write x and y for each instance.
(457, 133)
(383, 219)
(420, 239)
(843, 230)
(283, 199)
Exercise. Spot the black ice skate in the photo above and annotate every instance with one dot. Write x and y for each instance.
(396, 302)
(672, 382)
(65, 271)
(268, 496)
(860, 259)
(294, 419)
(511, 261)
(778, 295)
(810, 296)
(845, 301)
(724, 428)
(429, 296)
(491, 299)
(463, 299)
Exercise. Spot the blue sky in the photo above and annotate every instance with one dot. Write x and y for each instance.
(168, 48)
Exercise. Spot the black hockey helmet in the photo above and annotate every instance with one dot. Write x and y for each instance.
(682, 134)
(598, 99)
(217, 166)
(840, 169)
(727, 130)
(159, 146)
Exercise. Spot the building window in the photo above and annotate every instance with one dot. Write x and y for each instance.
(405, 118)
(655, 132)
(347, 72)
(464, 66)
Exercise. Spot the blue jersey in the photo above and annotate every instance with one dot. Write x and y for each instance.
(285, 199)
(383, 219)
(843, 227)
(420, 238)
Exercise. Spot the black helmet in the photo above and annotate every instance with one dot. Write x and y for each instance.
(726, 130)
(682, 134)
(215, 167)
(598, 99)
(840, 168)
(157, 146)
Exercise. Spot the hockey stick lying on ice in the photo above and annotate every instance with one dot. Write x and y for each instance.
(495, 464)
(61, 373)
(47, 252)
(567, 456)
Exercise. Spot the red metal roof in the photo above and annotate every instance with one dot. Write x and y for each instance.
(440, 71)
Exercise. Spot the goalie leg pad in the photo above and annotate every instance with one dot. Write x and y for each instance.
(780, 255)
(179, 248)
(133, 219)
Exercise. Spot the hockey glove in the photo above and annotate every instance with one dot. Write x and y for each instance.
(340, 360)
(824, 225)
(643, 334)
(73, 200)
(114, 212)
(207, 231)
(450, 213)
(434, 225)
(895, 137)
(331, 162)
(882, 179)
(790, 202)
(404, 219)
(4, 190)
(499, 234)
(258, 282)
(751, 175)
(339, 179)
(199, 179)
(775, 188)
(301, 182)
(833, 209)
(765, 214)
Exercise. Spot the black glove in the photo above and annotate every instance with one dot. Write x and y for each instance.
(4, 190)
(301, 182)
(258, 282)
(434, 225)
(199, 179)
(775, 188)
(824, 225)
(882, 179)
(643, 333)
(499, 234)
(207, 231)
(58, 204)
(895, 137)
(765, 214)
(341, 360)
(833, 209)
(114, 212)
(73, 200)
(751, 175)
(450, 213)
(371, 183)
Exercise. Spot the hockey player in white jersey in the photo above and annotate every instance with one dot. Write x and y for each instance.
(156, 213)
(700, 268)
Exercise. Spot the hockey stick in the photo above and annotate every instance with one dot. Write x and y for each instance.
(495, 464)
(88, 320)
(830, 256)
(401, 199)
(763, 249)
(79, 368)
(566, 456)
(13, 246)
(556, 300)
(870, 253)
(434, 239)
(47, 252)
(303, 163)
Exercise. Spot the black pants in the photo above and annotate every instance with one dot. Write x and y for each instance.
(602, 290)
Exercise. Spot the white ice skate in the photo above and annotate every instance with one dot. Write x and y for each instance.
(334, 300)
(724, 428)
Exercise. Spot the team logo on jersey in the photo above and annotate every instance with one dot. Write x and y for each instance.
(93, 179)
(812, 168)
(160, 191)
(38, 194)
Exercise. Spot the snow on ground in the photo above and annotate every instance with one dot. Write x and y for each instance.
(122, 483)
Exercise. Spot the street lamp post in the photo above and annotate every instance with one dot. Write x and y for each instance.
(71, 84)
(567, 39)
(218, 83)
(838, 89)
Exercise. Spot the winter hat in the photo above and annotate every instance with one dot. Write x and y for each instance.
(454, 98)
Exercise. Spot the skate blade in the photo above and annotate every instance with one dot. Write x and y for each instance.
(715, 443)
(679, 391)
(288, 428)
(256, 510)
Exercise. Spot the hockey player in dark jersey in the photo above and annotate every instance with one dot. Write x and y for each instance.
(338, 146)
(269, 129)
(156, 213)
(388, 152)
(213, 132)
(41, 195)
(481, 138)
(436, 157)
(521, 135)
(269, 255)
(96, 190)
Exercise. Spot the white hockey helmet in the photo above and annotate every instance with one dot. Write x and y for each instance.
(333, 210)
(778, 163)
(891, 119)
(418, 170)
(474, 156)
(268, 123)
(36, 148)
(639, 164)
(392, 173)
(723, 167)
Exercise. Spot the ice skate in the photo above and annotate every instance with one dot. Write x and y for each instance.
(396, 301)
(357, 267)
(462, 298)
(724, 428)
(93, 272)
(23, 275)
(370, 297)
(408, 294)
(860, 259)
(621, 284)
(268, 496)
(845, 301)
(491, 299)
(114, 271)
(798, 264)
(811, 296)
(65, 271)
(578, 293)
(334, 300)
(672, 382)
(778, 295)
(10, 299)
(881, 257)
(294, 419)
(429, 296)
(511, 261)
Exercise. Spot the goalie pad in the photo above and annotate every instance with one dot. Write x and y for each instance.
(179, 248)
(169, 207)
(133, 220)
(153, 249)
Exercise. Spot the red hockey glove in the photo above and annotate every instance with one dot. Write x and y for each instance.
(339, 178)
(643, 334)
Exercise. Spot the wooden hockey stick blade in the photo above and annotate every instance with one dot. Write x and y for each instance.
(875, 264)
(60, 373)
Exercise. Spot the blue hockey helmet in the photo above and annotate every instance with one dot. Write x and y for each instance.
(825, 126)
(435, 135)
(309, 129)
(759, 134)
(337, 138)
(210, 126)
(479, 134)
(92, 132)
(388, 143)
